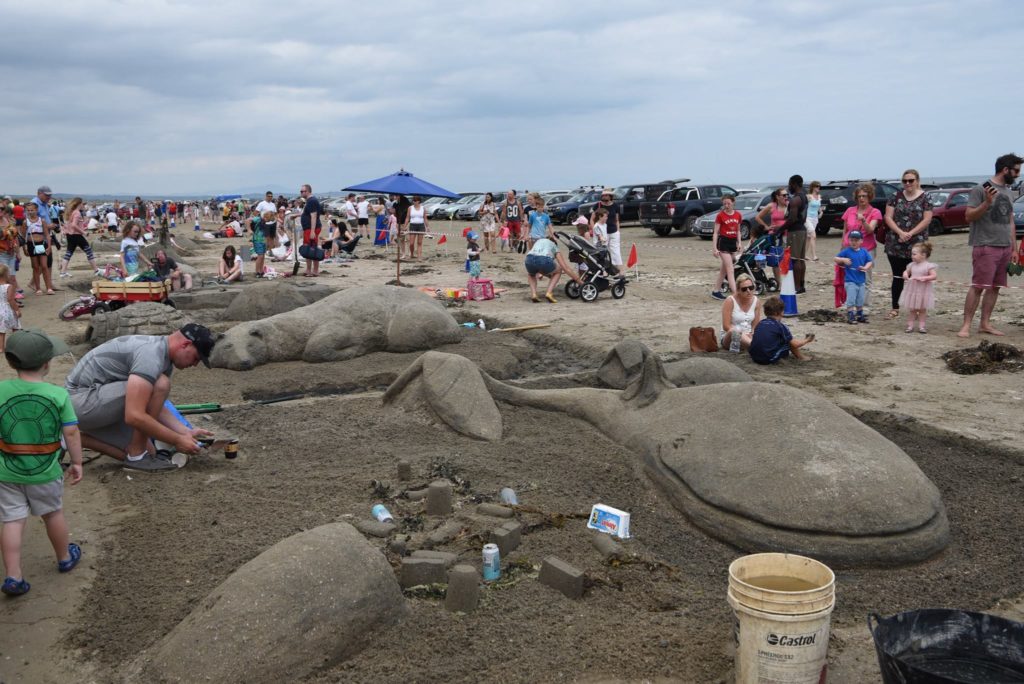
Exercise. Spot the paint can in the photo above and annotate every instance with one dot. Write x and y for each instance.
(492, 562)
(231, 449)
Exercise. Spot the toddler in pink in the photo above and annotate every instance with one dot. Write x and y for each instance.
(919, 289)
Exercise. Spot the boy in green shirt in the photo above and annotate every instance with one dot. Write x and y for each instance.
(34, 417)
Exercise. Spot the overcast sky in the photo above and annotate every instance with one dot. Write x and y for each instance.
(189, 96)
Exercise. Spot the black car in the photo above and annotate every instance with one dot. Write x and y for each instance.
(630, 197)
(837, 197)
(568, 211)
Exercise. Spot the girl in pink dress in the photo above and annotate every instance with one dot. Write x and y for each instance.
(918, 291)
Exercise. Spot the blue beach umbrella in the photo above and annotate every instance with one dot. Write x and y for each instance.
(403, 183)
(225, 198)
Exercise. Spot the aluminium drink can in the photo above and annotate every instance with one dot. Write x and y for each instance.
(381, 513)
(492, 562)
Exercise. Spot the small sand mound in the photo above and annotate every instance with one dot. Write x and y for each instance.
(987, 357)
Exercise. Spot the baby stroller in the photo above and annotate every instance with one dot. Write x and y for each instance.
(752, 262)
(594, 266)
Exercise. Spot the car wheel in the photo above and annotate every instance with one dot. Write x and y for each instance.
(704, 237)
(572, 290)
(821, 229)
(936, 227)
(689, 224)
(662, 231)
(571, 217)
(744, 231)
(619, 290)
(588, 292)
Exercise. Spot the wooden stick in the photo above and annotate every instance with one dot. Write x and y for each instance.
(518, 328)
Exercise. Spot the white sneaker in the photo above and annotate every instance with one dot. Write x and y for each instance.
(65, 274)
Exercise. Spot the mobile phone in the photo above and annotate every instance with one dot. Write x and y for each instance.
(987, 185)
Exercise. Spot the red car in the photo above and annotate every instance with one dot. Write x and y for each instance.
(949, 209)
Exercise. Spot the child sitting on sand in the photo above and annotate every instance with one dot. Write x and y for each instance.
(31, 479)
(772, 339)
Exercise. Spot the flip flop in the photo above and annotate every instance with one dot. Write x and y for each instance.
(893, 314)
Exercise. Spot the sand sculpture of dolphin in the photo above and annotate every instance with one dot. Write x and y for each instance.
(763, 467)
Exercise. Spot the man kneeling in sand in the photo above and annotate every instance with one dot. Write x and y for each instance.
(118, 392)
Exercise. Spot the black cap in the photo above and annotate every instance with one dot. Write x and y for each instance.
(201, 338)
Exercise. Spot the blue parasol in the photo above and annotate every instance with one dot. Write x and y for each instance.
(225, 198)
(403, 183)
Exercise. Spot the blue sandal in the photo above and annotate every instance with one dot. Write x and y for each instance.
(13, 587)
(68, 565)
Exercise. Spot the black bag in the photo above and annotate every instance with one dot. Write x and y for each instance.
(311, 253)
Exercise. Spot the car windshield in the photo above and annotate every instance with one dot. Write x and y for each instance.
(748, 202)
(937, 197)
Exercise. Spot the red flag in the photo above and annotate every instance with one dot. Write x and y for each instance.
(784, 263)
(631, 262)
(444, 239)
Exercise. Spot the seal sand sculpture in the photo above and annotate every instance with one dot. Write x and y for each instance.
(343, 326)
(797, 474)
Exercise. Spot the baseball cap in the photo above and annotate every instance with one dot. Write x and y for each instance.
(33, 347)
(856, 235)
(581, 221)
(201, 338)
(44, 190)
(472, 235)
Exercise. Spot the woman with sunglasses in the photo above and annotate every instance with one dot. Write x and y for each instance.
(777, 210)
(864, 218)
(741, 312)
(907, 216)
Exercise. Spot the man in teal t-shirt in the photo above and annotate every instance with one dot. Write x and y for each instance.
(35, 417)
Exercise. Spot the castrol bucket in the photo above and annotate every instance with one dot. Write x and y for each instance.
(783, 605)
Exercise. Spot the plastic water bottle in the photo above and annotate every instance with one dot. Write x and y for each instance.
(734, 342)
(381, 513)
(480, 324)
(508, 495)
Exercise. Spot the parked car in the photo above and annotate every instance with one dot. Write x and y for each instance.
(949, 209)
(569, 210)
(629, 198)
(679, 208)
(956, 184)
(469, 210)
(448, 211)
(1018, 215)
(748, 205)
(837, 197)
(556, 197)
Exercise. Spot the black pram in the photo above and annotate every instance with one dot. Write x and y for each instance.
(594, 266)
(752, 262)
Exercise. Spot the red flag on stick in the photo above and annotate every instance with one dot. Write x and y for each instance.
(784, 263)
(444, 239)
(631, 262)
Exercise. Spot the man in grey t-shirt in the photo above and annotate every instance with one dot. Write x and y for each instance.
(990, 213)
(119, 388)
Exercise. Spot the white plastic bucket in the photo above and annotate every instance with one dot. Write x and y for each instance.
(781, 636)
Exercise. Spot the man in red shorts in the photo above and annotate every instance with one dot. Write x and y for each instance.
(990, 212)
(512, 212)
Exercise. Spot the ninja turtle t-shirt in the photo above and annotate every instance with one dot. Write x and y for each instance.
(32, 418)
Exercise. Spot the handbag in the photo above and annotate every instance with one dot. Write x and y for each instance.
(311, 252)
(38, 249)
(880, 230)
(703, 340)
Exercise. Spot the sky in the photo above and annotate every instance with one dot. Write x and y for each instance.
(193, 97)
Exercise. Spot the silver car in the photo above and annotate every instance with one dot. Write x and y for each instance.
(748, 205)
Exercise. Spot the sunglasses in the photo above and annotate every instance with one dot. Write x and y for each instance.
(908, 181)
(748, 288)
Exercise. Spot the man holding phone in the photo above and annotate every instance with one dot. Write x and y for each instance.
(992, 238)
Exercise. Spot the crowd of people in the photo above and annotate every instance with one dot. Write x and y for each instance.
(902, 231)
